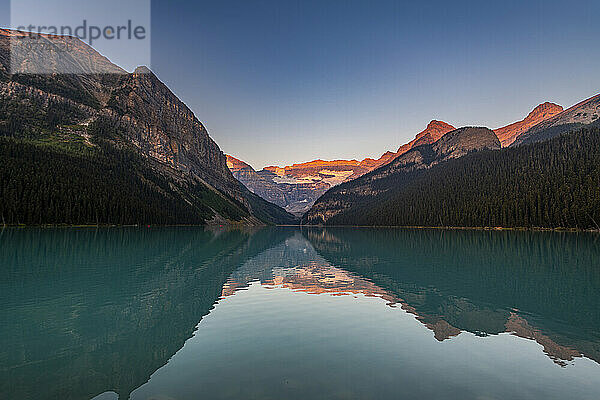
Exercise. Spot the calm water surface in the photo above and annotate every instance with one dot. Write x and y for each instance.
(284, 313)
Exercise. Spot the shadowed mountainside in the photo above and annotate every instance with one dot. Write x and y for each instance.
(87, 115)
(370, 187)
(581, 114)
(552, 184)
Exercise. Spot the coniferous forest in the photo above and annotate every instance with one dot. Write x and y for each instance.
(552, 184)
(43, 183)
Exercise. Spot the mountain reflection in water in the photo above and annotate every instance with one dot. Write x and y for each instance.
(444, 313)
(149, 313)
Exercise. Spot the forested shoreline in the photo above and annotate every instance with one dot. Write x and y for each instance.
(548, 185)
(44, 184)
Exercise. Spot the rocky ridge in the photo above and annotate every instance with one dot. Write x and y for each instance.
(132, 110)
(509, 133)
(298, 186)
(587, 112)
(454, 144)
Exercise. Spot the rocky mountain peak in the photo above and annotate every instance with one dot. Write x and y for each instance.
(583, 113)
(142, 69)
(542, 112)
(46, 54)
(434, 131)
(236, 165)
(435, 125)
(464, 140)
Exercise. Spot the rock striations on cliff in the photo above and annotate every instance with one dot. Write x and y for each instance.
(133, 112)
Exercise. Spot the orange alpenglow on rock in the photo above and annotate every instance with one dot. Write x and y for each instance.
(298, 186)
(509, 133)
(235, 165)
(434, 131)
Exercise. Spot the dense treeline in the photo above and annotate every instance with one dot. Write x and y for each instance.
(553, 184)
(533, 271)
(47, 184)
(30, 118)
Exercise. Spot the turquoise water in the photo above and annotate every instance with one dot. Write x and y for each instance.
(285, 313)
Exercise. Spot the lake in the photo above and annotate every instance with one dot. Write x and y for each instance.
(288, 313)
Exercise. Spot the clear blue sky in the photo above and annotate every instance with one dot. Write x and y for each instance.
(279, 81)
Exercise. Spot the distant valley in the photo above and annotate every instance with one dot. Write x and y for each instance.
(297, 187)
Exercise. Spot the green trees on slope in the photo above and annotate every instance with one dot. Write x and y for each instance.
(553, 184)
(47, 184)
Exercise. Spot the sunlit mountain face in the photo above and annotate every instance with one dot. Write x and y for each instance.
(296, 187)
(508, 134)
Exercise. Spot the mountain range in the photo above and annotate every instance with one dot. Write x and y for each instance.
(130, 151)
(547, 178)
(298, 186)
(111, 147)
(581, 114)
(454, 144)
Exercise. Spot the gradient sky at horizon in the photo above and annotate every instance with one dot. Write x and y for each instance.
(280, 82)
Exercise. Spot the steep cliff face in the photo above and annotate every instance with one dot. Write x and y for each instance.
(163, 128)
(258, 185)
(509, 133)
(367, 188)
(133, 111)
(584, 113)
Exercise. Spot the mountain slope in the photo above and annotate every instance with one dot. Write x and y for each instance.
(125, 113)
(584, 113)
(296, 198)
(551, 184)
(370, 187)
(509, 133)
(298, 186)
(256, 183)
(432, 133)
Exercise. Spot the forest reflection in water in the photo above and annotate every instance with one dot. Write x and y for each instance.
(118, 310)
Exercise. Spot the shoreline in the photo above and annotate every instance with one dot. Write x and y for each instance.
(468, 228)
(465, 228)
